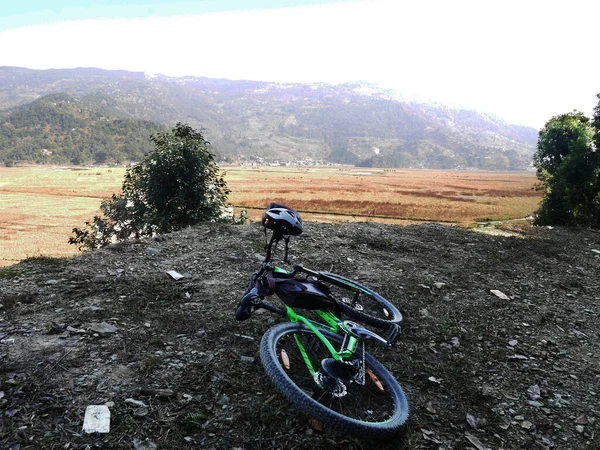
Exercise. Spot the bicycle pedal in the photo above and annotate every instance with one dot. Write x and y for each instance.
(361, 333)
(393, 334)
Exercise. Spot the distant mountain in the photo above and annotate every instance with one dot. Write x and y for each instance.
(350, 123)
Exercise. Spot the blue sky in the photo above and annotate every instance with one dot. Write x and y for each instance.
(20, 13)
(522, 60)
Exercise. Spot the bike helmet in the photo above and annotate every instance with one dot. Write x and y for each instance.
(282, 220)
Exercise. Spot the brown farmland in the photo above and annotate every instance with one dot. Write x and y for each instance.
(388, 195)
(40, 205)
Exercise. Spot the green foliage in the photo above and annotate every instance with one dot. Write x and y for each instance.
(194, 421)
(177, 185)
(596, 124)
(60, 128)
(568, 166)
(9, 272)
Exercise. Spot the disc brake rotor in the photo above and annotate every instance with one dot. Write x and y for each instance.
(334, 387)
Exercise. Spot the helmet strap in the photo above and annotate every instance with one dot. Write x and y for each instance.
(270, 248)
(285, 255)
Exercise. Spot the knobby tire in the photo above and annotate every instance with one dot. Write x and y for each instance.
(334, 412)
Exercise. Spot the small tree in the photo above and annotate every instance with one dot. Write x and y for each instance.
(568, 167)
(177, 185)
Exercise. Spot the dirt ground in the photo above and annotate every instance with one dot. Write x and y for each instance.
(177, 370)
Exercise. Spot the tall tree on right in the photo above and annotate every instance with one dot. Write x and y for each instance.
(568, 165)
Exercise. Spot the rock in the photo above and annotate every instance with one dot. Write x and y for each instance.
(429, 407)
(513, 342)
(580, 428)
(153, 251)
(500, 294)
(70, 329)
(141, 412)
(526, 424)
(476, 442)
(504, 423)
(439, 285)
(144, 445)
(248, 359)
(582, 420)
(535, 404)
(488, 391)
(160, 393)
(223, 400)
(133, 402)
(103, 329)
(533, 392)
(174, 274)
(472, 421)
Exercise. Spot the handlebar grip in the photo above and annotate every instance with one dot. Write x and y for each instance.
(244, 309)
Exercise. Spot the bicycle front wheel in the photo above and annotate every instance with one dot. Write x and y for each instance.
(375, 408)
(361, 303)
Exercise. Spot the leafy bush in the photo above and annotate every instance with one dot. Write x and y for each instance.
(177, 185)
(568, 166)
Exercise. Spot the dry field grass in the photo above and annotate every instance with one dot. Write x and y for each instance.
(388, 195)
(40, 205)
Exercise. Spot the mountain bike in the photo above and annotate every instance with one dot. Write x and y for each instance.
(320, 364)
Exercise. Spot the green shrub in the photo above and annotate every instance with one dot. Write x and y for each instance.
(177, 185)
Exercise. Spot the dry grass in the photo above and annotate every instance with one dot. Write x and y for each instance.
(39, 206)
(415, 195)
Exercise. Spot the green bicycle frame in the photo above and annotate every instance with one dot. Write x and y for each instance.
(331, 322)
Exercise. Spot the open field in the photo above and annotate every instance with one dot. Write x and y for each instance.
(388, 195)
(40, 205)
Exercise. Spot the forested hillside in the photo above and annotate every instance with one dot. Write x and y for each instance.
(59, 128)
(245, 120)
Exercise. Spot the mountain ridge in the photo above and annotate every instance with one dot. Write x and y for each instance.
(354, 123)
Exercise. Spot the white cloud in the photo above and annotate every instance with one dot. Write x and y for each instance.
(522, 60)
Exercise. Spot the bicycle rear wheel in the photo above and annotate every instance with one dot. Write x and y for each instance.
(376, 409)
(361, 303)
